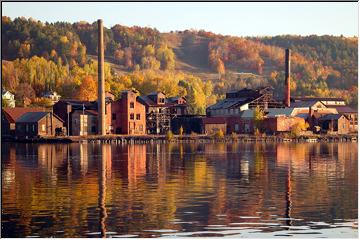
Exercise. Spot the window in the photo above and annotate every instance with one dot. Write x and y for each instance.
(131, 104)
(33, 127)
(113, 116)
(131, 116)
(43, 127)
(138, 116)
(140, 127)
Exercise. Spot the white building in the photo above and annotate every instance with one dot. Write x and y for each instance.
(53, 96)
(9, 97)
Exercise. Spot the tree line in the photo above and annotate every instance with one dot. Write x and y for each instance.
(56, 56)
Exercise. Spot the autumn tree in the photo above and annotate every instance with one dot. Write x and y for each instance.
(258, 118)
(88, 89)
(24, 94)
(166, 57)
(298, 128)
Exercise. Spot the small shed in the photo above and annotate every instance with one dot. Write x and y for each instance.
(34, 124)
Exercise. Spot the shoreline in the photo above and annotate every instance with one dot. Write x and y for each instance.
(199, 138)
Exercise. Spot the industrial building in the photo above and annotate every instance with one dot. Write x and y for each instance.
(128, 114)
(161, 110)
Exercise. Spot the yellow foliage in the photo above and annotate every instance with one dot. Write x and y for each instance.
(219, 134)
(298, 128)
(169, 135)
(64, 39)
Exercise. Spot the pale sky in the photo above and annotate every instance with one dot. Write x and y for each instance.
(237, 19)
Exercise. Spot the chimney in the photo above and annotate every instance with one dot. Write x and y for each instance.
(101, 84)
(287, 77)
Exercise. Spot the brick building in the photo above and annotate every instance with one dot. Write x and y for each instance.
(71, 111)
(281, 123)
(128, 114)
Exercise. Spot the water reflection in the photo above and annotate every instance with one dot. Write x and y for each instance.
(103, 190)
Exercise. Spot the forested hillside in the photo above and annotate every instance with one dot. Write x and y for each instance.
(197, 64)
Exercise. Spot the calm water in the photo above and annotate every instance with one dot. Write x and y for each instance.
(233, 190)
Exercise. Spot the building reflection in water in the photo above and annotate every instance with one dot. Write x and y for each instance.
(131, 188)
(84, 158)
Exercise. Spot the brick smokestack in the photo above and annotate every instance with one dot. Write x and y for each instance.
(101, 84)
(287, 77)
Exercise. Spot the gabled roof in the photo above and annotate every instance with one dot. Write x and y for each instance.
(150, 103)
(331, 117)
(343, 109)
(173, 99)
(305, 104)
(4, 92)
(31, 117)
(12, 114)
(155, 93)
(146, 100)
(230, 103)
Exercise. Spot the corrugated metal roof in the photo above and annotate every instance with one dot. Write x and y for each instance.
(14, 113)
(273, 112)
(343, 109)
(304, 104)
(302, 115)
(146, 100)
(229, 103)
(31, 117)
(249, 113)
(330, 117)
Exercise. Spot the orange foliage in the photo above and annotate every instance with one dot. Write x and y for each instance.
(88, 89)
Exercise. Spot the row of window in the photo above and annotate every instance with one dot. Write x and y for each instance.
(225, 111)
(138, 117)
(33, 127)
(132, 116)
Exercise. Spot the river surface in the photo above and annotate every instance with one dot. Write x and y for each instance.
(169, 190)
